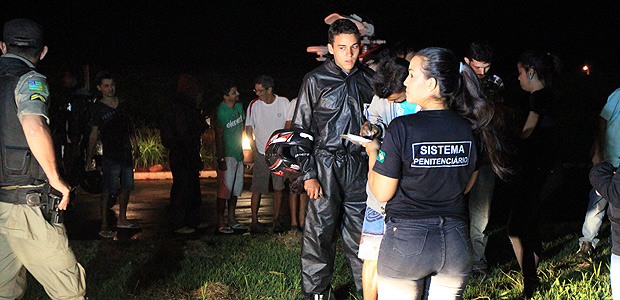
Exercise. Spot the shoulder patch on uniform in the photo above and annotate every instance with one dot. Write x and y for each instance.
(38, 97)
(35, 85)
(381, 156)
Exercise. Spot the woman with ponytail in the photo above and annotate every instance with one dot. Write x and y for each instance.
(538, 158)
(423, 168)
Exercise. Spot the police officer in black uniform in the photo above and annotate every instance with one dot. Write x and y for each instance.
(27, 239)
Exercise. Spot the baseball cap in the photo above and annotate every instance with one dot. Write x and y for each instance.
(23, 33)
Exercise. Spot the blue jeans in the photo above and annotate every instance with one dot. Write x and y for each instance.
(112, 172)
(431, 257)
(594, 218)
(614, 274)
(480, 198)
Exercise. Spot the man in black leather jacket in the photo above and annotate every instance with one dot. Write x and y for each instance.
(331, 103)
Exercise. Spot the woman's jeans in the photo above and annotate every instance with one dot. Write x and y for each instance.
(424, 258)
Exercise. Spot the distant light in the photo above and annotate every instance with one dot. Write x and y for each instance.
(586, 69)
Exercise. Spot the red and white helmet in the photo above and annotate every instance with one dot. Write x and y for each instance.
(288, 151)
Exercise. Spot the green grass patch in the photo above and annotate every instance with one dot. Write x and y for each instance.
(268, 267)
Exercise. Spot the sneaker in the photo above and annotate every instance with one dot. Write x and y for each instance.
(258, 228)
(585, 251)
(185, 230)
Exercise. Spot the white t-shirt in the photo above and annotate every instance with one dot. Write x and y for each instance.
(290, 111)
(265, 119)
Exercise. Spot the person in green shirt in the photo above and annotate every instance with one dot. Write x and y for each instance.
(229, 124)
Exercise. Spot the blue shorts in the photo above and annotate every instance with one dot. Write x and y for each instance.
(372, 234)
(112, 172)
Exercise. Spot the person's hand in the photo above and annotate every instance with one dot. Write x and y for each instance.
(64, 189)
(221, 165)
(372, 147)
(313, 188)
(369, 130)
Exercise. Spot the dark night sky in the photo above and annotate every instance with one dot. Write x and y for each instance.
(272, 35)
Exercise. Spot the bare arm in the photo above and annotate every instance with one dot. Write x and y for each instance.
(530, 124)
(92, 140)
(40, 142)
(219, 146)
(381, 186)
(471, 182)
(249, 132)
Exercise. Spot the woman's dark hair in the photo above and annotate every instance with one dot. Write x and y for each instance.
(389, 77)
(545, 64)
(460, 90)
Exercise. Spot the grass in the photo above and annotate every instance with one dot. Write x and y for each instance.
(267, 267)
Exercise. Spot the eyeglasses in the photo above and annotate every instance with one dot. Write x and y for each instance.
(259, 91)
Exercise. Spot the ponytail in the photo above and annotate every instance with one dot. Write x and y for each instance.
(481, 113)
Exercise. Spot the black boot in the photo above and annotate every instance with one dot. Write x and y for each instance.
(530, 286)
(326, 295)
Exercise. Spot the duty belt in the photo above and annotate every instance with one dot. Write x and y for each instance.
(42, 196)
(22, 194)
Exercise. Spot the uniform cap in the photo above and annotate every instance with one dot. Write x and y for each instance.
(23, 33)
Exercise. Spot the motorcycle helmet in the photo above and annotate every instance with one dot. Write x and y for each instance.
(288, 151)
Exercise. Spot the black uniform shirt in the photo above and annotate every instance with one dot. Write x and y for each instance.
(433, 154)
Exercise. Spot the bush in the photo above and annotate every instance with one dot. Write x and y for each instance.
(152, 151)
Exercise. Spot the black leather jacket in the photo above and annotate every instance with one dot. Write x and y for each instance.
(331, 103)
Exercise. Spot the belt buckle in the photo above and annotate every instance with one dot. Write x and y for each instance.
(33, 199)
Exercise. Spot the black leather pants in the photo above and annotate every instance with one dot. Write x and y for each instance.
(343, 179)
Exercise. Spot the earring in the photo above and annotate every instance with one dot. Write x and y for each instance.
(429, 90)
(530, 77)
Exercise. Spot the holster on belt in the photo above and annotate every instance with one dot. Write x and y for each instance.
(43, 196)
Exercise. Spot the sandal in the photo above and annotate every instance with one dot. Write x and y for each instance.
(238, 226)
(225, 230)
(106, 234)
(128, 226)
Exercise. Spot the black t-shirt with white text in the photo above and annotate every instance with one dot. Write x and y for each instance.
(115, 127)
(433, 154)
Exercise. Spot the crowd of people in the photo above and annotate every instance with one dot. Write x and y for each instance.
(411, 199)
